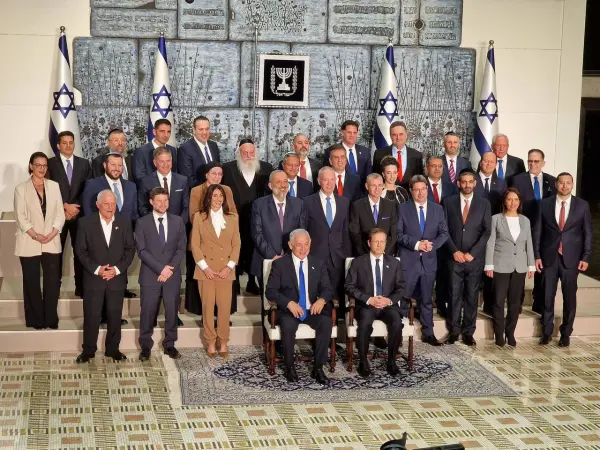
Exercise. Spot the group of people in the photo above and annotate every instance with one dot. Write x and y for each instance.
(410, 227)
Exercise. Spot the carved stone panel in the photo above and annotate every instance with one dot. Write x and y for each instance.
(247, 68)
(121, 3)
(206, 19)
(409, 13)
(138, 23)
(202, 74)
(431, 22)
(339, 76)
(368, 21)
(279, 20)
(166, 4)
(105, 71)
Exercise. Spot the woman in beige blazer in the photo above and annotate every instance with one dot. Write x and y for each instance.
(215, 244)
(40, 217)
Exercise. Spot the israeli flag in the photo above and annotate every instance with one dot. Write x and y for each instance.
(387, 106)
(487, 116)
(160, 106)
(63, 116)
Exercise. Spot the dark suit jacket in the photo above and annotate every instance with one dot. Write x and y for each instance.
(361, 223)
(352, 186)
(95, 185)
(360, 284)
(269, 240)
(98, 165)
(497, 190)
(523, 183)
(514, 166)
(409, 233)
(576, 235)
(461, 164)
(414, 162)
(190, 161)
(179, 195)
(448, 189)
(70, 193)
(282, 286)
(472, 236)
(328, 243)
(153, 255)
(92, 251)
(142, 161)
(363, 162)
(315, 166)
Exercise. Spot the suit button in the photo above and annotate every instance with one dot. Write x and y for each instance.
(515, 254)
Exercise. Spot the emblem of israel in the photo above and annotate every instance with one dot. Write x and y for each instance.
(283, 89)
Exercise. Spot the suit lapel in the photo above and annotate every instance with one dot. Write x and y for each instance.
(370, 280)
(506, 228)
(100, 230)
(292, 268)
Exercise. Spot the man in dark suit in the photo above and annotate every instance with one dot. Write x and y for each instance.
(376, 283)
(309, 167)
(301, 300)
(507, 165)
(298, 186)
(70, 172)
(562, 244)
(488, 185)
(105, 248)
(410, 161)
(161, 243)
(197, 152)
(327, 216)
(422, 230)
(469, 227)
(117, 143)
(141, 161)
(372, 212)
(247, 177)
(346, 183)
(358, 157)
(453, 164)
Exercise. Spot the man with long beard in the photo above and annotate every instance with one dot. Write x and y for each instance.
(247, 177)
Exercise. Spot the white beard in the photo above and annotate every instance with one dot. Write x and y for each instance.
(252, 166)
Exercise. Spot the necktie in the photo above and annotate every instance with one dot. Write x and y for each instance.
(340, 186)
(487, 185)
(292, 192)
(378, 284)
(302, 292)
(280, 215)
(69, 171)
(352, 162)
(451, 171)
(422, 220)
(161, 231)
(375, 214)
(536, 189)
(465, 211)
(124, 174)
(329, 212)
(303, 169)
(500, 169)
(207, 154)
(165, 185)
(118, 195)
(399, 165)
(436, 194)
(561, 224)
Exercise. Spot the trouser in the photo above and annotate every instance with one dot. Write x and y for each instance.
(464, 286)
(93, 302)
(417, 277)
(215, 292)
(568, 280)
(70, 227)
(41, 304)
(149, 305)
(443, 295)
(507, 286)
(488, 294)
(336, 279)
(366, 315)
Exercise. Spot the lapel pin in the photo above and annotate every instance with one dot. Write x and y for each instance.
(312, 267)
(116, 228)
(387, 267)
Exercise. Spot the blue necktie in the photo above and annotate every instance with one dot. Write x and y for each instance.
(118, 195)
(329, 212)
(161, 231)
(124, 174)
(536, 189)
(292, 192)
(302, 292)
(352, 162)
(500, 170)
(375, 215)
(422, 220)
(69, 171)
(378, 284)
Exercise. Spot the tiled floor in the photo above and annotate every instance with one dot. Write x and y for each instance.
(49, 402)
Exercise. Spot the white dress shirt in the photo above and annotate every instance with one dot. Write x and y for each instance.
(161, 182)
(111, 183)
(155, 145)
(462, 202)
(424, 205)
(539, 177)
(353, 148)
(218, 222)
(324, 204)
(157, 223)
(248, 176)
(559, 205)
(305, 270)
(309, 176)
(277, 202)
(484, 177)
(107, 229)
(205, 149)
(439, 186)
(64, 161)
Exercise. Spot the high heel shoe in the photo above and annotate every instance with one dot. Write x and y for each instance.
(211, 354)
(223, 354)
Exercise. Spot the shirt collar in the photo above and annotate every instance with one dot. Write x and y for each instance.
(103, 222)
(218, 212)
(111, 181)
(65, 159)
(567, 201)
(324, 196)
(539, 176)
(373, 257)
(348, 148)
(297, 260)
(200, 144)
(161, 176)
(463, 198)
(295, 181)
(401, 150)
(157, 216)
(277, 201)
(374, 203)
(424, 205)
(155, 145)
(439, 182)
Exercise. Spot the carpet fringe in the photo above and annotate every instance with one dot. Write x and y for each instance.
(172, 381)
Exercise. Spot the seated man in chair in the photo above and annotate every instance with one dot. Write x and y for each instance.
(299, 284)
(375, 281)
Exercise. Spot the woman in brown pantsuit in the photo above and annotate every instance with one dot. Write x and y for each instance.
(215, 244)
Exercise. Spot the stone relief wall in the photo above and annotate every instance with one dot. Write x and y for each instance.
(210, 51)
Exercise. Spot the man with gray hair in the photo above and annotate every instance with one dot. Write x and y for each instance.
(507, 165)
(309, 167)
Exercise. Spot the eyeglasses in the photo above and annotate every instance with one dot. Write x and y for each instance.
(40, 166)
(534, 161)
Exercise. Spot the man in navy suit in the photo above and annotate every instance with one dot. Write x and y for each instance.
(346, 183)
(116, 143)
(507, 165)
(309, 167)
(422, 230)
(469, 227)
(298, 186)
(562, 244)
(161, 243)
(453, 164)
(358, 157)
(141, 161)
(299, 284)
(197, 152)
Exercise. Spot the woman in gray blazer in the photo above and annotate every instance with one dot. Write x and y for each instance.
(508, 258)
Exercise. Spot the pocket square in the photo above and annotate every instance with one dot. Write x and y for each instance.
(385, 218)
(178, 190)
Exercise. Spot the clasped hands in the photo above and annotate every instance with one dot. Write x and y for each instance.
(107, 272)
(166, 273)
(425, 246)
(379, 302)
(71, 210)
(297, 310)
(211, 274)
(44, 238)
(461, 257)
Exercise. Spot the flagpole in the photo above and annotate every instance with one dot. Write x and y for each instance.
(255, 78)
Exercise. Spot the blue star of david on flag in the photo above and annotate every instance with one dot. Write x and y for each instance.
(491, 116)
(156, 98)
(64, 110)
(388, 107)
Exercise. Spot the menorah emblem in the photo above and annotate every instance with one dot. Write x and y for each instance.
(284, 74)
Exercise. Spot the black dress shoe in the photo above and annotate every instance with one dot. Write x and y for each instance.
(431, 340)
(564, 341)
(179, 322)
(53, 327)
(392, 368)
(500, 342)
(129, 294)
(83, 358)
(545, 340)
(363, 369)
(144, 355)
(173, 353)
(118, 356)
(510, 340)
(442, 313)
(38, 328)
(291, 375)
(319, 376)
(124, 322)
(380, 343)
(469, 340)
(78, 293)
(452, 338)
(252, 288)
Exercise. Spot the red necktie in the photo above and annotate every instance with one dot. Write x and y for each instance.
(465, 211)
(340, 186)
(399, 166)
(302, 170)
(561, 224)
(436, 195)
